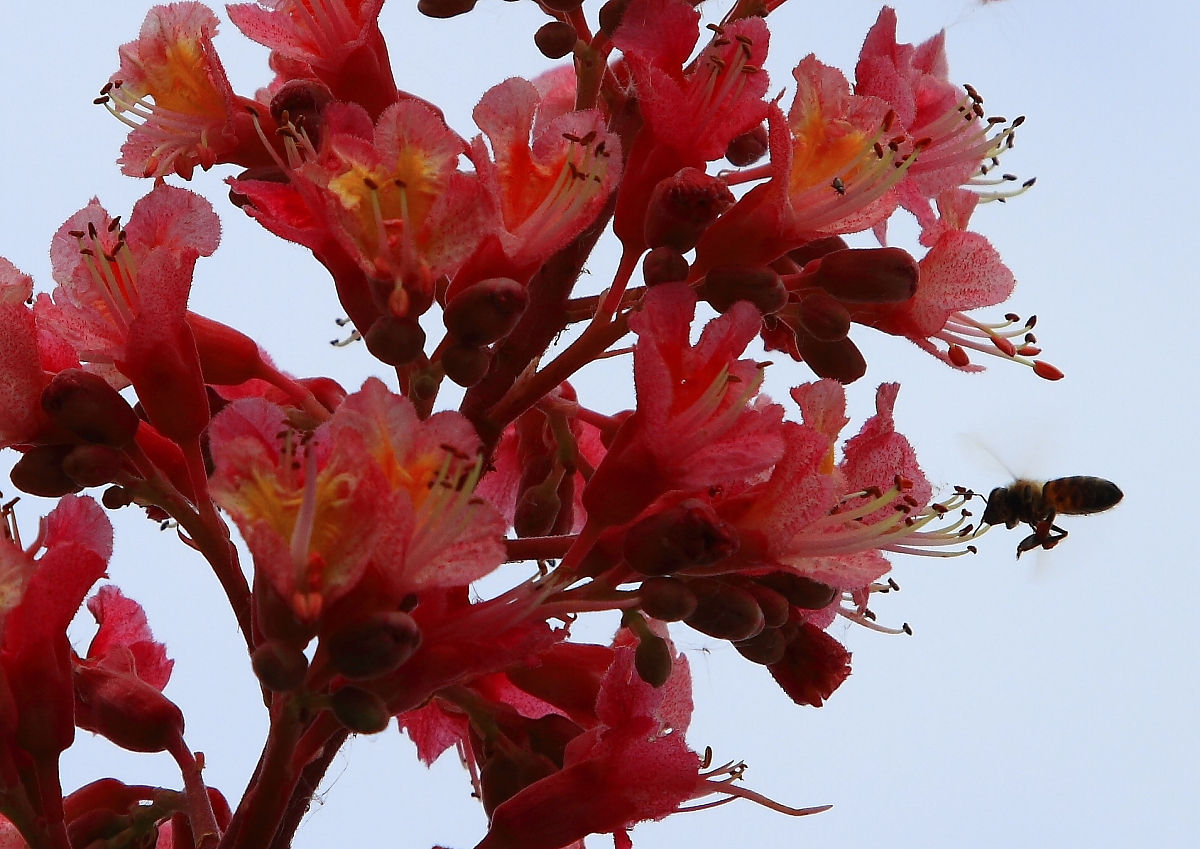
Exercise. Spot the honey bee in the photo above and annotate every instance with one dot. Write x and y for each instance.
(1037, 504)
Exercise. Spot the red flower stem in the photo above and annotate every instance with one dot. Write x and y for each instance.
(53, 818)
(582, 309)
(537, 548)
(612, 300)
(306, 787)
(307, 401)
(262, 808)
(201, 818)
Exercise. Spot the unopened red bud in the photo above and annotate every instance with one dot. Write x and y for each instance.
(668, 599)
(800, 591)
(505, 774)
(40, 472)
(359, 710)
(868, 275)
(92, 465)
(724, 611)
(555, 39)
(611, 14)
(562, 5)
(537, 509)
(682, 207)
(775, 606)
(464, 364)
(116, 497)
(373, 646)
(280, 666)
(687, 535)
(301, 103)
(725, 285)
(228, 357)
(664, 265)
(765, 648)
(84, 404)
(816, 249)
(444, 8)
(652, 660)
(823, 316)
(126, 710)
(748, 148)
(839, 360)
(395, 341)
(486, 311)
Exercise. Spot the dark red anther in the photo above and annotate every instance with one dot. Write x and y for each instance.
(690, 534)
(958, 357)
(85, 405)
(682, 207)
(824, 317)
(664, 265)
(1005, 345)
(486, 311)
(373, 646)
(748, 148)
(725, 285)
(302, 102)
(395, 341)
(868, 275)
(1045, 370)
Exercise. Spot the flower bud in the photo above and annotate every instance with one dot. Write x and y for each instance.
(444, 8)
(748, 148)
(302, 104)
(280, 667)
(99, 824)
(664, 265)
(725, 285)
(228, 357)
(839, 360)
(40, 472)
(538, 508)
(800, 591)
(116, 497)
(686, 535)
(485, 311)
(668, 599)
(611, 14)
(359, 710)
(395, 341)
(84, 404)
(823, 317)
(868, 275)
(765, 648)
(652, 660)
(373, 646)
(555, 39)
(505, 774)
(816, 249)
(126, 710)
(465, 365)
(724, 611)
(92, 465)
(682, 207)
(775, 606)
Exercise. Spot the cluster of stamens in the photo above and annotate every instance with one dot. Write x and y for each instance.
(996, 339)
(177, 132)
(113, 270)
(584, 169)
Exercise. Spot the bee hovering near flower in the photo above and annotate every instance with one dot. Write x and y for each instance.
(1037, 504)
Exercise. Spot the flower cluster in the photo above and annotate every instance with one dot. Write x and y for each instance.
(369, 517)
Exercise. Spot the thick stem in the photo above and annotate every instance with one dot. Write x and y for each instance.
(305, 789)
(201, 818)
(262, 808)
(536, 548)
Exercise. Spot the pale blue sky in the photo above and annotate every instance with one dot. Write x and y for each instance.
(1052, 702)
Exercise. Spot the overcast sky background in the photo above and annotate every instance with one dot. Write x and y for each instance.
(1050, 702)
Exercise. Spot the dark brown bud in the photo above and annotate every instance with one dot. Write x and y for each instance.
(373, 646)
(486, 311)
(611, 14)
(555, 39)
(775, 606)
(725, 285)
(748, 148)
(868, 275)
(84, 404)
(687, 535)
(800, 591)
(816, 249)
(126, 710)
(92, 465)
(116, 497)
(664, 265)
(765, 648)
(668, 599)
(444, 8)
(280, 666)
(465, 365)
(682, 207)
(652, 660)
(359, 710)
(839, 360)
(538, 508)
(395, 341)
(40, 472)
(302, 104)
(824, 317)
(724, 611)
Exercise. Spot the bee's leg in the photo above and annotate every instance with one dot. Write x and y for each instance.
(1054, 535)
(1034, 540)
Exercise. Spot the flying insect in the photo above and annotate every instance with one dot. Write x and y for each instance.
(1027, 502)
